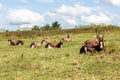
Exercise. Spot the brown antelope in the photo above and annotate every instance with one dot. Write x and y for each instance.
(54, 45)
(93, 45)
(37, 44)
(14, 42)
(46, 40)
(67, 38)
(93, 42)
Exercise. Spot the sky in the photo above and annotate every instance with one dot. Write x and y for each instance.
(19, 14)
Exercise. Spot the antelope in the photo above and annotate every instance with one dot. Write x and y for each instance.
(37, 44)
(46, 40)
(93, 45)
(67, 38)
(54, 45)
(14, 42)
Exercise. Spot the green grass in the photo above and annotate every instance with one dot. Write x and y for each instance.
(23, 63)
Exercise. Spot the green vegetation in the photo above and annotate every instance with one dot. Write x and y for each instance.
(55, 29)
(54, 26)
(24, 63)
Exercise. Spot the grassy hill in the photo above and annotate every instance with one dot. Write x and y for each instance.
(24, 63)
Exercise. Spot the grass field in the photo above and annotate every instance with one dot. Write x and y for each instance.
(23, 63)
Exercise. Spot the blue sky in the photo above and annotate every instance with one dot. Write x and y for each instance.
(18, 14)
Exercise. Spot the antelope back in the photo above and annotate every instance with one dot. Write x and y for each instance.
(45, 41)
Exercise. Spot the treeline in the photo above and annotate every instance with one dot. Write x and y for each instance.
(55, 29)
(54, 26)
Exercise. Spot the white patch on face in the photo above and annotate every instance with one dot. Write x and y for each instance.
(43, 42)
(20, 44)
(8, 42)
(85, 49)
(61, 46)
(101, 45)
(49, 46)
(32, 46)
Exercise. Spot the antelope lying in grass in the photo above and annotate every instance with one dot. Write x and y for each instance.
(14, 42)
(46, 40)
(67, 38)
(93, 45)
(54, 45)
(37, 44)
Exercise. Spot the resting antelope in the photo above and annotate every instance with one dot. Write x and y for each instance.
(46, 40)
(54, 45)
(14, 42)
(67, 38)
(93, 45)
(37, 44)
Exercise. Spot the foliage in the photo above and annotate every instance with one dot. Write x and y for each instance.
(56, 25)
(47, 30)
(36, 27)
(46, 27)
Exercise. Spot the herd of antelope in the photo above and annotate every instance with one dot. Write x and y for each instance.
(46, 41)
(90, 46)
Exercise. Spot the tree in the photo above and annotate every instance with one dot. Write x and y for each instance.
(46, 27)
(36, 27)
(56, 25)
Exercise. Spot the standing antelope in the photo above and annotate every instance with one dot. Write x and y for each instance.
(14, 42)
(93, 45)
(67, 38)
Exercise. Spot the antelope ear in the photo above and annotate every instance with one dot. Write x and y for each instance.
(102, 36)
(97, 33)
(98, 36)
(61, 41)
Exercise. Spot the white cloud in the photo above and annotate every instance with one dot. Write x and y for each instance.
(69, 14)
(51, 14)
(26, 25)
(1, 6)
(115, 19)
(24, 16)
(71, 21)
(113, 2)
(77, 9)
(101, 18)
